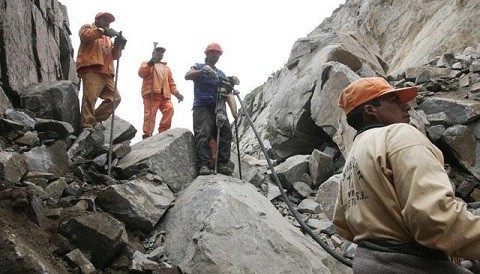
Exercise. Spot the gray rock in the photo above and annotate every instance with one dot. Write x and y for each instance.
(320, 167)
(88, 230)
(170, 154)
(327, 195)
(51, 158)
(138, 203)
(234, 229)
(292, 170)
(458, 111)
(122, 130)
(21, 117)
(460, 139)
(78, 258)
(56, 188)
(309, 206)
(63, 129)
(53, 100)
(12, 166)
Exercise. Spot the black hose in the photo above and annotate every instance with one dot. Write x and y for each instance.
(342, 259)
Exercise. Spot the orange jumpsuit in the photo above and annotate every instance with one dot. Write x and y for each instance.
(95, 66)
(163, 87)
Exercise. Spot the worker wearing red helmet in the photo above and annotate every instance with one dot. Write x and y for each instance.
(95, 66)
(205, 77)
(214, 47)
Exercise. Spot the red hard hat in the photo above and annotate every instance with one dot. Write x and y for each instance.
(214, 47)
(107, 15)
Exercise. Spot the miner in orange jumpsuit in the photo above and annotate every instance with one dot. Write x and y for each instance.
(156, 92)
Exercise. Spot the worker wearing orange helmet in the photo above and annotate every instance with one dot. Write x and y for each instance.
(205, 77)
(395, 199)
(157, 88)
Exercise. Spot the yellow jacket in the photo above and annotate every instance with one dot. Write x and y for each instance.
(394, 187)
(169, 87)
(90, 52)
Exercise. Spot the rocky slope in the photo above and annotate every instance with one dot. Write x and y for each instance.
(65, 212)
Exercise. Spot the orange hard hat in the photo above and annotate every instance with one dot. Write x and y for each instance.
(214, 47)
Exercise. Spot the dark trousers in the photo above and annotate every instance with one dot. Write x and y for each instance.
(368, 261)
(204, 129)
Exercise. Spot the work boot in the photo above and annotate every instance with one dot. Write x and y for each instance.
(99, 125)
(204, 170)
(89, 129)
(225, 169)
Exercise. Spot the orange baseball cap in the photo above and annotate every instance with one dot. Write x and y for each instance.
(366, 89)
(110, 17)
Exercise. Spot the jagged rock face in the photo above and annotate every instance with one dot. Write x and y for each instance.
(409, 33)
(36, 46)
(297, 111)
(57, 100)
(4, 102)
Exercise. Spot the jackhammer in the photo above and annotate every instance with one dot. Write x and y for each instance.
(224, 89)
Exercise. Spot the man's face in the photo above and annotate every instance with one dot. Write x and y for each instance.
(102, 22)
(213, 56)
(158, 54)
(391, 110)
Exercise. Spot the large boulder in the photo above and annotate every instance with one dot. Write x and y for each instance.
(222, 225)
(170, 154)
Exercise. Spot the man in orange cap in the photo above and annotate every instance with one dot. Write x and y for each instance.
(395, 199)
(95, 67)
(205, 77)
(156, 95)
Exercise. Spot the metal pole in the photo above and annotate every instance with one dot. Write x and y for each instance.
(113, 117)
(238, 150)
(220, 118)
(217, 144)
(150, 131)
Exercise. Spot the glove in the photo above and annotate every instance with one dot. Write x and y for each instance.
(153, 61)
(120, 42)
(179, 97)
(209, 71)
(234, 80)
(110, 32)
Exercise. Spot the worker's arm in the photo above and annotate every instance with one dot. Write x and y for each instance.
(232, 104)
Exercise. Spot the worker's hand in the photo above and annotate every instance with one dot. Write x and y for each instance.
(235, 115)
(209, 71)
(179, 97)
(110, 32)
(120, 42)
(153, 61)
(234, 80)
